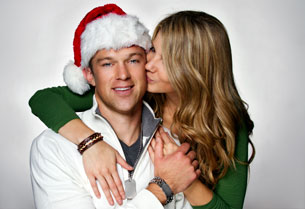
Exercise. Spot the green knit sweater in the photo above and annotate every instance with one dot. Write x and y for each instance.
(56, 106)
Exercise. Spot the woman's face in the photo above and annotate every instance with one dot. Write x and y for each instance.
(157, 78)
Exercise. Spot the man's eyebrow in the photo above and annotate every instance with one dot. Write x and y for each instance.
(128, 57)
(136, 53)
(104, 58)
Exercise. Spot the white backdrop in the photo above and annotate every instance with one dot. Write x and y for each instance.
(267, 38)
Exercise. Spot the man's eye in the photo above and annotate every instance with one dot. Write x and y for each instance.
(106, 65)
(134, 61)
(152, 49)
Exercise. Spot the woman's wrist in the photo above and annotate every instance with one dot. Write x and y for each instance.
(198, 194)
(89, 142)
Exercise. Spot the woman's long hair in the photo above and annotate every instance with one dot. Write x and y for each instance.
(197, 56)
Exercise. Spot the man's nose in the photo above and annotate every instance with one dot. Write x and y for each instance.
(123, 72)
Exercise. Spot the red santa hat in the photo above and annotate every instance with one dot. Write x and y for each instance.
(104, 27)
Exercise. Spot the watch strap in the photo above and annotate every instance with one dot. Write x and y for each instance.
(165, 188)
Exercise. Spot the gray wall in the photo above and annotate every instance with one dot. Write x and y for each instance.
(267, 38)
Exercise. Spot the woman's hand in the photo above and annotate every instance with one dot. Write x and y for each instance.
(99, 161)
(100, 164)
(169, 145)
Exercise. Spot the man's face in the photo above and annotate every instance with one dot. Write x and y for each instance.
(119, 79)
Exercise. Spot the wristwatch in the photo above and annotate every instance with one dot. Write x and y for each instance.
(165, 188)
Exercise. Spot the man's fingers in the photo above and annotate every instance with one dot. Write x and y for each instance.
(114, 189)
(105, 189)
(195, 164)
(122, 162)
(184, 148)
(191, 155)
(198, 172)
(94, 186)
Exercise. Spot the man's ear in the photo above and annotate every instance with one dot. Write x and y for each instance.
(87, 72)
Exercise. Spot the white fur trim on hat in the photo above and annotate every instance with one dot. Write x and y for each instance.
(74, 78)
(112, 32)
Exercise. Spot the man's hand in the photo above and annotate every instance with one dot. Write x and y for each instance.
(179, 169)
(100, 164)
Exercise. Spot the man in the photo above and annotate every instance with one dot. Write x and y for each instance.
(109, 52)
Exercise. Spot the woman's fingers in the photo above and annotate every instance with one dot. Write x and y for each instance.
(105, 189)
(94, 186)
(122, 162)
(119, 185)
(100, 163)
(113, 188)
(151, 153)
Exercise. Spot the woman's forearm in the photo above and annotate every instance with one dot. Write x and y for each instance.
(198, 194)
(75, 131)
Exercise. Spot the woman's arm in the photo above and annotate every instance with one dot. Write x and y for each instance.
(56, 107)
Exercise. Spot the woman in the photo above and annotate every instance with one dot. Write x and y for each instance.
(189, 72)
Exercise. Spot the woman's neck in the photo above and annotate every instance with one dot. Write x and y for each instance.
(169, 110)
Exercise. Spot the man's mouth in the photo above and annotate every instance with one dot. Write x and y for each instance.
(122, 88)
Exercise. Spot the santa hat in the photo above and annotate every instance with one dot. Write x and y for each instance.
(106, 27)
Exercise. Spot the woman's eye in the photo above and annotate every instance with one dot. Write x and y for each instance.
(152, 49)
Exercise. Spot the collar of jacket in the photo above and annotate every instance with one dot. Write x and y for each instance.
(149, 123)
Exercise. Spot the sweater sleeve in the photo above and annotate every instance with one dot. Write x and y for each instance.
(231, 189)
(56, 106)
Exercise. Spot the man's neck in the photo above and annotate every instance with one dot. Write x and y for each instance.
(126, 126)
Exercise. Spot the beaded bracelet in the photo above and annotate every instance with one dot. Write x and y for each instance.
(89, 141)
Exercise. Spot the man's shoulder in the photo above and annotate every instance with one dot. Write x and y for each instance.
(51, 145)
(89, 118)
(47, 138)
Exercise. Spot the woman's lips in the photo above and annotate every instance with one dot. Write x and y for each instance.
(149, 80)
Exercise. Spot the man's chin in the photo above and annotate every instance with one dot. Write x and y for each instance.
(128, 109)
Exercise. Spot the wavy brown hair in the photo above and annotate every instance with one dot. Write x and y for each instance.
(197, 56)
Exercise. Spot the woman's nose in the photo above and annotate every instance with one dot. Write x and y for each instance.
(149, 64)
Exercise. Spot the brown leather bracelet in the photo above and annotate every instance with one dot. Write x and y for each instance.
(89, 141)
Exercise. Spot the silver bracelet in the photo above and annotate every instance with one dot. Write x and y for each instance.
(165, 188)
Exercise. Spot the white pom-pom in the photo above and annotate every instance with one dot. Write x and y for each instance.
(74, 78)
